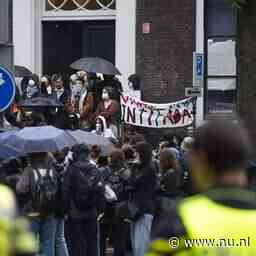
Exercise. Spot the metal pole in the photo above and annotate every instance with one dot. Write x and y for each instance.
(194, 111)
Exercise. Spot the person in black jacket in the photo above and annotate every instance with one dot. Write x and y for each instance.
(61, 117)
(143, 182)
(168, 184)
(117, 180)
(60, 241)
(82, 188)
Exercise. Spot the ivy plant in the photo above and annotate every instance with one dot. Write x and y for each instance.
(238, 3)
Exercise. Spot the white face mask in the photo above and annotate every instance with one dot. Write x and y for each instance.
(98, 128)
(49, 90)
(44, 79)
(60, 90)
(76, 89)
(105, 96)
(31, 89)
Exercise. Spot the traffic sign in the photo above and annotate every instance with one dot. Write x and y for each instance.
(193, 92)
(198, 69)
(7, 89)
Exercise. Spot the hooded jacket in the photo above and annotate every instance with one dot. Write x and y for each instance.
(107, 132)
(69, 188)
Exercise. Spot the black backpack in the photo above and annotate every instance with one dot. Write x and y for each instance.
(89, 189)
(44, 190)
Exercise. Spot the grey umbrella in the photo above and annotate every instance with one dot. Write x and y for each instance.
(4, 136)
(40, 102)
(20, 71)
(8, 129)
(41, 139)
(91, 139)
(95, 65)
(8, 152)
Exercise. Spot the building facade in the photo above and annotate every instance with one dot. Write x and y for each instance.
(50, 34)
(155, 39)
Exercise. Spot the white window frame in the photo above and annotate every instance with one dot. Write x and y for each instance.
(42, 15)
(101, 14)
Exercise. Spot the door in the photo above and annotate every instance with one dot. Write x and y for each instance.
(66, 41)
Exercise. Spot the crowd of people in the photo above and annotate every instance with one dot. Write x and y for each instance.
(102, 201)
(85, 102)
(79, 201)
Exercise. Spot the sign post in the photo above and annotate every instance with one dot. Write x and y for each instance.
(7, 89)
(198, 70)
(193, 92)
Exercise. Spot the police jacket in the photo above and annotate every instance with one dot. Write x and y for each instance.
(219, 222)
(15, 236)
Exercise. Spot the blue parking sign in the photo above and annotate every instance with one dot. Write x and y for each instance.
(7, 89)
(199, 65)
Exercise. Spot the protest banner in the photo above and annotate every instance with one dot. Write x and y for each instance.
(171, 115)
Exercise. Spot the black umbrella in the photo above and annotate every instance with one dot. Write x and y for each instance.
(95, 65)
(20, 71)
(40, 102)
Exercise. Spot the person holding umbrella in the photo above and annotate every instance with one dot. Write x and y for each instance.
(101, 66)
(39, 181)
(82, 100)
(39, 184)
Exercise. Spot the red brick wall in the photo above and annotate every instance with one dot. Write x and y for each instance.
(164, 57)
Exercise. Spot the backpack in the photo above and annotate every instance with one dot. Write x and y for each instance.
(44, 190)
(89, 189)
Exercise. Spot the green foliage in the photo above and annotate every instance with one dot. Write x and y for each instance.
(238, 3)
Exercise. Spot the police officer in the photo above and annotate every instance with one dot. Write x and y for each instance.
(15, 238)
(221, 219)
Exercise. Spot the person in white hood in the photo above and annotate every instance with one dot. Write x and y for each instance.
(102, 128)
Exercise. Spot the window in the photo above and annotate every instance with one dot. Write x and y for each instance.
(221, 57)
(71, 5)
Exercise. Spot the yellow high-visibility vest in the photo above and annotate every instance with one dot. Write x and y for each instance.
(14, 233)
(7, 217)
(212, 229)
(217, 230)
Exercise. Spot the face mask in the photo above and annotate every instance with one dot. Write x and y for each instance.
(44, 80)
(76, 89)
(32, 89)
(59, 90)
(105, 96)
(49, 90)
(130, 85)
(98, 128)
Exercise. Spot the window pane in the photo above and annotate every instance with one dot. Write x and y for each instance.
(221, 18)
(71, 5)
(221, 57)
(221, 95)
